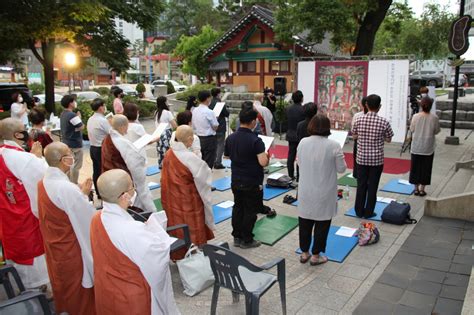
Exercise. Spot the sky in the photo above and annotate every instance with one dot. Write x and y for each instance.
(417, 5)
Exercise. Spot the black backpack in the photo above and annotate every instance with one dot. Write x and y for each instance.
(283, 181)
(397, 213)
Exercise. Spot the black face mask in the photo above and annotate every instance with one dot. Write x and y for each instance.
(25, 137)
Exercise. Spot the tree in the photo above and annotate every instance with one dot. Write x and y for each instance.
(89, 23)
(191, 49)
(352, 24)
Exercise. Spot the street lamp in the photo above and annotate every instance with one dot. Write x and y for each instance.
(70, 59)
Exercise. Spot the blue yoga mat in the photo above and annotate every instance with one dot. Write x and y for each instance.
(227, 163)
(394, 186)
(152, 170)
(337, 247)
(156, 186)
(272, 192)
(222, 184)
(221, 214)
(379, 207)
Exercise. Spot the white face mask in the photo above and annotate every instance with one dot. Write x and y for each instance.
(138, 115)
(424, 94)
(69, 158)
(20, 99)
(133, 198)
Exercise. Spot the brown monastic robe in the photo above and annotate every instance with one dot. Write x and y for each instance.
(111, 157)
(120, 287)
(63, 258)
(182, 202)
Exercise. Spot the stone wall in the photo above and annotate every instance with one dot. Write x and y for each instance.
(464, 113)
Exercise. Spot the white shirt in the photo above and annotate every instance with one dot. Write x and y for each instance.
(148, 247)
(166, 117)
(424, 127)
(136, 131)
(97, 129)
(68, 197)
(204, 121)
(267, 117)
(319, 159)
(15, 110)
(195, 147)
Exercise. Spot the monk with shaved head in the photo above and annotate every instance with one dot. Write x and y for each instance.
(131, 258)
(119, 153)
(65, 216)
(20, 172)
(186, 189)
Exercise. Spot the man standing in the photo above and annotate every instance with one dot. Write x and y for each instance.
(247, 153)
(71, 134)
(264, 112)
(187, 178)
(20, 173)
(220, 132)
(370, 131)
(97, 129)
(65, 216)
(205, 125)
(119, 152)
(131, 258)
(294, 114)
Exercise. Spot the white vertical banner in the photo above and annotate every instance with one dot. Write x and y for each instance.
(389, 80)
(306, 79)
(432, 94)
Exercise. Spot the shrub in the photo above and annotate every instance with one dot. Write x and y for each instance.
(36, 88)
(104, 91)
(193, 90)
(147, 108)
(170, 87)
(4, 114)
(140, 88)
(280, 114)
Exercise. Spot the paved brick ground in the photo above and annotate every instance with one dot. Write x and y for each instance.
(333, 288)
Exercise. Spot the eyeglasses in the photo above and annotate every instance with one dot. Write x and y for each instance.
(127, 191)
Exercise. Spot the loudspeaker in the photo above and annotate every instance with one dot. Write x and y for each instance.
(279, 86)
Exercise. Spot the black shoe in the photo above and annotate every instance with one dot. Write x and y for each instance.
(270, 214)
(219, 167)
(252, 244)
(213, 188)
(237, 242)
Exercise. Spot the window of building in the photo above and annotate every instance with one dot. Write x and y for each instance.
(247, 66)
(280, 66)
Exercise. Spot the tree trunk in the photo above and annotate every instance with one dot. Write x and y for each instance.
(369, 27)
(47, 48)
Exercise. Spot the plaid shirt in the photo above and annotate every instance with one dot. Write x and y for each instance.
(371, 131)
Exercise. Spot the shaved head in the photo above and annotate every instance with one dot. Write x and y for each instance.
(183, 133)
(112, 184)
(8, 128)
(258, 97)
(54, 152)
(120, 123)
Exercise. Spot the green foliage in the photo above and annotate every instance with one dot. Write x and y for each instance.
(193, 90)
(191, 49)
(140, 88)
(36, 88)
(280, 112)
(146, 108)
(4, 114)
(170, 87)
(425, 37)
(233, 123)
(104, 91)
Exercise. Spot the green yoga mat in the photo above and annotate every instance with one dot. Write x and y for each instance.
(347, 181)
(271, 230)
(158, 204)
(272, 169)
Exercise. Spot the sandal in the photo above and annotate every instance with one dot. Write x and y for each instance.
(422, 193)
(271, 213)
(320, 260)
(304, 260)
(286, 198)
(417, 192)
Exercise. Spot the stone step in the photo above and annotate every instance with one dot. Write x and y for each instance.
(459, 124)
(466, 105)
(461, 115)
(457, 184)
(240, 97)
(470, 186)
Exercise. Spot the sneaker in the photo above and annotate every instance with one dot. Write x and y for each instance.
(252, 244)
(237, 242)
(219, 167)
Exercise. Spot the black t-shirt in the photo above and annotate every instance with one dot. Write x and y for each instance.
(242, 147)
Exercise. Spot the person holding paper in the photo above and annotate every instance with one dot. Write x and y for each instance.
(185, 118)
(37, 118)
(131, 258)
(220, 132)
(424, 127)
(20, 173)
(97, 129)
(163, 115)
(371, 131)
(119, 152)
(186, 190)
(294, 114)
(319, 159)
(354, 150)
(265, 112)
(65, 216)
(71, 134)
(205, 125)
(247, 153)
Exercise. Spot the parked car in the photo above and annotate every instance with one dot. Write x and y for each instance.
(427, 78)
(8, 89)
(87, 96)
(127, 89)
(177, 87)
(42, 98)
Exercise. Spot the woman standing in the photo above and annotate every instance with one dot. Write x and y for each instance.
(18, 109)
(424, 126)
(192, 103)
(163, 115)
(135, 129)
(317, 190)
(37, 118)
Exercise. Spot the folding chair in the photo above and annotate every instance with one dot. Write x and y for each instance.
(237, 274)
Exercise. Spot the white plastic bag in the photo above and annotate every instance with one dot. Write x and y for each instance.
(195, 271)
